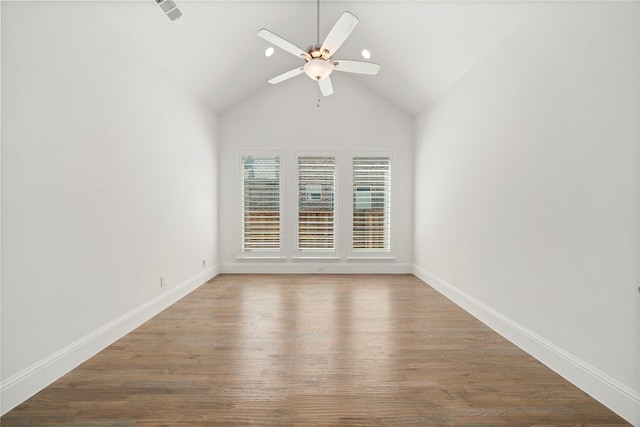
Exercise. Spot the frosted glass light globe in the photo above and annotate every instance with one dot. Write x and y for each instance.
(318, 69)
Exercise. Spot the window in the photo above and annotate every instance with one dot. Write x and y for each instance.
(371, 204)
(260, 203)
(303, 218)
(316, 204)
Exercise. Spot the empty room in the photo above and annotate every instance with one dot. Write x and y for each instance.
(331, 213)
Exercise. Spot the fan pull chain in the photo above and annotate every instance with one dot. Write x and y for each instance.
(319, 97)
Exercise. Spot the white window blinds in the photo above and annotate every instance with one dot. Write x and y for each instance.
(261, 203)
(316, 203)
(371, 204)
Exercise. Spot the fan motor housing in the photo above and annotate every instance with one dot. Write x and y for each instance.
(315, 51)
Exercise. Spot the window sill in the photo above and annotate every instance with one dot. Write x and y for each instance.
(315, 258)
(261, 258)
(371, 258)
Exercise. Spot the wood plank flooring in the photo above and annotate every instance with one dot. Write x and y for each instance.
(312, 350)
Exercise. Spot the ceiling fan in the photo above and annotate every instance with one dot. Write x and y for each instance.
(318, 63)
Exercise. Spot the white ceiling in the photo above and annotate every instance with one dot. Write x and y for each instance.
(424, 47)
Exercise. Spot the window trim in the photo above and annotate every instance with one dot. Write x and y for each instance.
(307, 255)
(270, 255)
(361, 255)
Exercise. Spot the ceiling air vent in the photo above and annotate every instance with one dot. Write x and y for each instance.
(170, 8)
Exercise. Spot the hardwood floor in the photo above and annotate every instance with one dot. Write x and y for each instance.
(312, 350)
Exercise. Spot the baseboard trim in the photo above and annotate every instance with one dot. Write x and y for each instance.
(21, 386)
(317, 267)
(616, 396)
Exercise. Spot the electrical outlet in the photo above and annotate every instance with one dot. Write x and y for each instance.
(163, 281)
(203, 263)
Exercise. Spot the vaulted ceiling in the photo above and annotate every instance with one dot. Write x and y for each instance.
(424, 47)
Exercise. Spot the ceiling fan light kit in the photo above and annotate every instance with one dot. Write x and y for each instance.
(318, 69)
(318, 63)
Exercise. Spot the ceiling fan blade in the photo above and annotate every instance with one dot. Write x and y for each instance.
(358, 67)
(339, 34)
(283, 44)
(287, 75)
(325, 86)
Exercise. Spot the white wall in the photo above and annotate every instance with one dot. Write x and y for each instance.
(526, 194)
(108, 182)
(286, 117)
